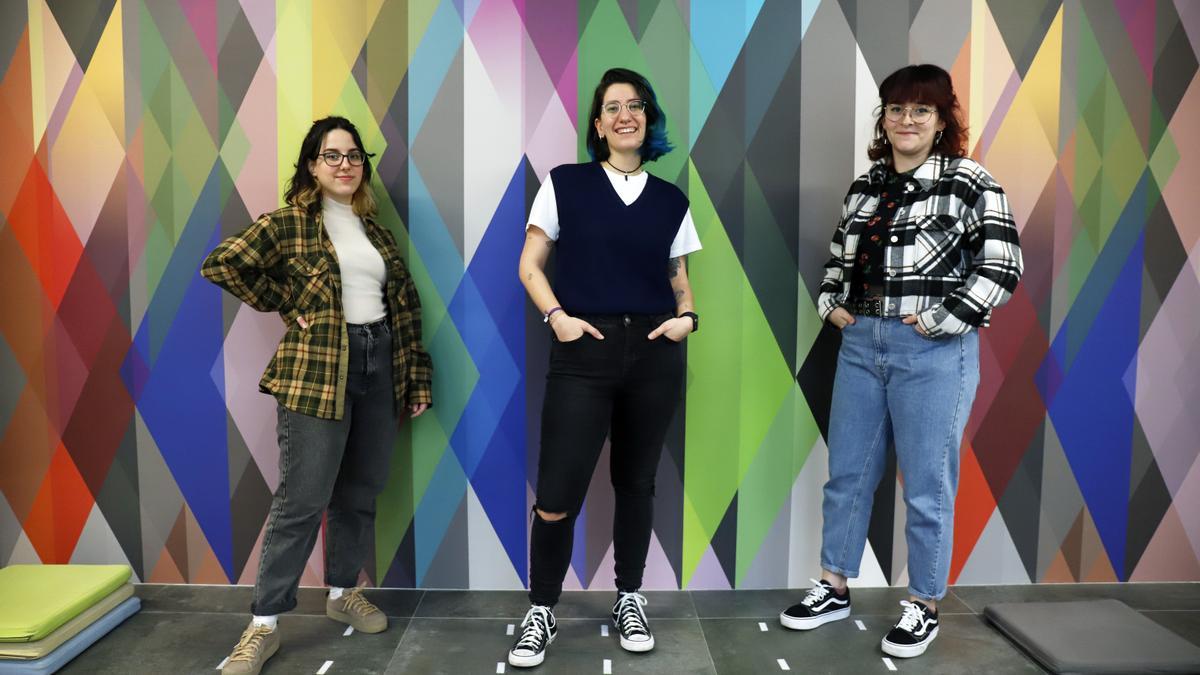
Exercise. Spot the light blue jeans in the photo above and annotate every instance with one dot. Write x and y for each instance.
(896, 386)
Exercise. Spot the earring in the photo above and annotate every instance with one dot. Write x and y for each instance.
(937, 137)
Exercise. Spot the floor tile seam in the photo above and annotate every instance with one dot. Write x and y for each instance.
(399, 644)
(763, 617)
(518, 617)
(282, 617)
(696, 614)
(707, 649)
(590, 619)
(404, 634)
(420, 601)
(964, 602)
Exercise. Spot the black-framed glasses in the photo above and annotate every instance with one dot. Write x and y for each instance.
(635, 107)
(920, 114)
(355, 157)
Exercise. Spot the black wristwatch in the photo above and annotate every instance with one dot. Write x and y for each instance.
(695, 320)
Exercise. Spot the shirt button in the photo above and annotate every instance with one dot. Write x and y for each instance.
(891, 305)
(891, 273)
(895, 239)
(908, 188)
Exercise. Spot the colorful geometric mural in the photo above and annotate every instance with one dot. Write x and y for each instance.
(138, 133)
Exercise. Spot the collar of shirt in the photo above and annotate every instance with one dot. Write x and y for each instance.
(926, 175)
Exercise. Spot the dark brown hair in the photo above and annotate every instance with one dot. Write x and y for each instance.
(303, 190)
(929, 84)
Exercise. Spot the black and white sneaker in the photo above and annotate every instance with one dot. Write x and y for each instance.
(819, 607)
(537, 632)
(918, 626)
(631, 623)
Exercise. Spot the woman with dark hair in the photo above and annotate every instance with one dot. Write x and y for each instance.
(620, 307)
(350, 364)
(925, 250)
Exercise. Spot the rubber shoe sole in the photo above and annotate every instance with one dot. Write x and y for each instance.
(796, 623)
(518, 661)
(637, 645)
(907, 651)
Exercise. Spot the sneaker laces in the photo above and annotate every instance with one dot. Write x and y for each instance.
(356, 603)
(816, 594)
(912, 617)
(630, 617)
(250, 644)
(534, 629)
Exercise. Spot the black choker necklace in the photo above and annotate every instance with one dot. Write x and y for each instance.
(614, 168)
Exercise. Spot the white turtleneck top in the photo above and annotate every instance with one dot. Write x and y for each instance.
(362, 268)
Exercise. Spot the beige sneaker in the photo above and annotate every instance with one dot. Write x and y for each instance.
(258, 644)
(354, 609)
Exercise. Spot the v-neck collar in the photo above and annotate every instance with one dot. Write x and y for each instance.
(612, 189)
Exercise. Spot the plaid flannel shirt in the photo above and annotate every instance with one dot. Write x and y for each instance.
(285, 263)
(951, 254)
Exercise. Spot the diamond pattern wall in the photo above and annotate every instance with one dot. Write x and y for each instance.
(139, 133)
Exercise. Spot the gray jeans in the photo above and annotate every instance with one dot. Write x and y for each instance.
(337, 467)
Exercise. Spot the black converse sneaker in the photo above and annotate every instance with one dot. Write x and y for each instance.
(631, 623)
(918, 626)
(537, 632)
(819, 607)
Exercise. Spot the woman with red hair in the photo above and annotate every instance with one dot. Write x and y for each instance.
(925, 249)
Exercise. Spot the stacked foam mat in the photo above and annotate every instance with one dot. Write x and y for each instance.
(51, 613)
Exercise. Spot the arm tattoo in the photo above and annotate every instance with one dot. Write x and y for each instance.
(673, 267)
(678, 295)
(549, 243)
(529, 277)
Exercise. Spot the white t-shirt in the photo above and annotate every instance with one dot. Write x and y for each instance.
(363, 271)
(544, 212)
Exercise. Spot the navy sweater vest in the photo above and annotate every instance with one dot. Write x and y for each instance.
(612, 258)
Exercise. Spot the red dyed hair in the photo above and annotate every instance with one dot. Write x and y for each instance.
(928, 84)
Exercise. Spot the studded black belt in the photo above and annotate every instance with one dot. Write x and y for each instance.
(872, 306)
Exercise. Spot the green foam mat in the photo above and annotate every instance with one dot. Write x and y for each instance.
(40, 598)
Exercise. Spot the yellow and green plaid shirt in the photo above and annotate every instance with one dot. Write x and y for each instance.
(285, 263)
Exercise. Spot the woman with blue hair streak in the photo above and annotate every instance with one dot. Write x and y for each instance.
(618, 312)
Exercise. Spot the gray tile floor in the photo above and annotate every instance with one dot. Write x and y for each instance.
(190, 629)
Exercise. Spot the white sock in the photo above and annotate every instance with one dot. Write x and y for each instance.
(268, 621)
(335, 592)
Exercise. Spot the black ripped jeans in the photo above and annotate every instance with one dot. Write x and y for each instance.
(623, 385)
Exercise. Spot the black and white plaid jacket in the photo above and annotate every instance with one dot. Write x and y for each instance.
(951, 253)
